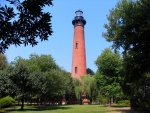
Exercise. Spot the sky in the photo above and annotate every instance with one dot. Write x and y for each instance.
(60, 43)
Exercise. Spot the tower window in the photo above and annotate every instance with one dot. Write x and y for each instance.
(76, 70)
(76, 45)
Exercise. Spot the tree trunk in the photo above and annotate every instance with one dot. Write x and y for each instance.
(49, 101)
(99, 101)
(91, 97)
(39, 103)
(31, 101)
(81, 100)
(18, 102)
(22, 103)
(109, 101)
(44, 101)
(91, 100)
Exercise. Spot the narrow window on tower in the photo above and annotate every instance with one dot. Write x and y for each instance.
(76, 70)
(76, 45)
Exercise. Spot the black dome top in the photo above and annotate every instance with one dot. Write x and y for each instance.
(79, 19)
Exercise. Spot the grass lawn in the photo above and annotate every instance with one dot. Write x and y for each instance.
(66, 109)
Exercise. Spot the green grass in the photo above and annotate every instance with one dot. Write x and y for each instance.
(58, 109)
(68, 109)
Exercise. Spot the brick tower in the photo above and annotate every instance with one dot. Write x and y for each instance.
(79, 55)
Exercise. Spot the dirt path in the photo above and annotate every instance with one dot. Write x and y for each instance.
(121, 110)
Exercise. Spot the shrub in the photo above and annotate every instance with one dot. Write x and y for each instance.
(124, 103)
(7, 102)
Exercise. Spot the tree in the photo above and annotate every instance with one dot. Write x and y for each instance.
(110, 66)
(15, 80)
(67, 81)
(43, 63)
(88, 85)
(89, 71)
(6, 85)
(37, 76)
(85, 88)
(39, 84)
(78, 88)
(100, 87)
(32, 23)
(57, 81)
(128, 28)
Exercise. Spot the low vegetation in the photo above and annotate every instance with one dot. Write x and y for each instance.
(7, 102)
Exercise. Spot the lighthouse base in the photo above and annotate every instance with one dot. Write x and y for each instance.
(85, 101)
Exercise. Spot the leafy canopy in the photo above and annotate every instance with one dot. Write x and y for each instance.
(109, 73)
(24, 23)
(129, 29)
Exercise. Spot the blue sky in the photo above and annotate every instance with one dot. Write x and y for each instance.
(60, 43)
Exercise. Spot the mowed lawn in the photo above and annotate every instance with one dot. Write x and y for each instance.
(65, 109)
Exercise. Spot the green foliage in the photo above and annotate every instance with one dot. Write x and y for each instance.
(128, 28)
(39, 75)
(43, 63)
(68, 84)
(123, 103)
(78, 88)
(30, 23)
(14, 80)
(89, 71)
(108, 78)
(56, 82)
(85, 87)
(109, 63)
(88, 83)
(89, 86)
(39, 82)
(7, 102)
(99, 81)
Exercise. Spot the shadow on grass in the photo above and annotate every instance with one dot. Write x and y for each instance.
(117, 106)
(120, 109)
(126, 111)
(33, 108)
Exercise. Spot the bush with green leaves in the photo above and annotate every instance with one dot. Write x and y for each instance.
(7, 102)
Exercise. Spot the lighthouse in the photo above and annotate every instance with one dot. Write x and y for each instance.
(79, 52)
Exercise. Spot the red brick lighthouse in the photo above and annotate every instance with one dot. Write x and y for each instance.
(79, 55)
